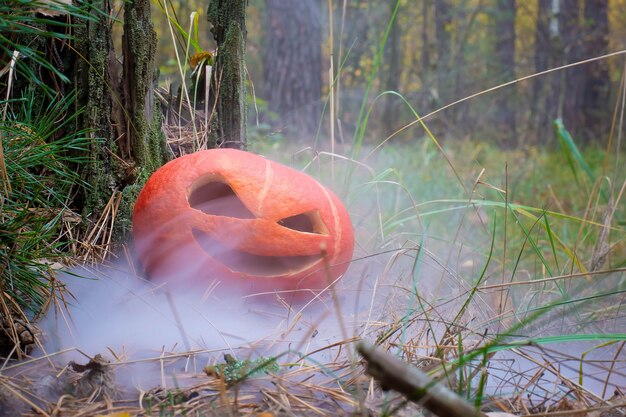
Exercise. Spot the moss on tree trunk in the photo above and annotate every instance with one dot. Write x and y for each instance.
(143, 137)
(116, 100)
(128, 142)
(229, 30)
(94, 43)
(143, 134)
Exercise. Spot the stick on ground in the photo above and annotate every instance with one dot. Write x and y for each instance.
(414, 384)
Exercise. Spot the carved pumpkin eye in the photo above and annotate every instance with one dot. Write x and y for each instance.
(306, 222)
(218, 199)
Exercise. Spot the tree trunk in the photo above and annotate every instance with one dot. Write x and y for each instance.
(356, 40)
(571, 100)
(292, 64)
(595, 90)
(119, 110)
(459, 64)
(443, 23)
(504, 70)
(139, 47)
(547, 55)
(92, 76)
(228, 18)
(424, 68)
(393, 70)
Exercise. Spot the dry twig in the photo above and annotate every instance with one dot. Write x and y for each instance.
(414, 384)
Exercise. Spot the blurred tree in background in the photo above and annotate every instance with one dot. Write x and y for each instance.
(443, 42)
(437, 52)
(595, 29)
(545, 89)
(292, 63)
(391, 81)
(503, 69)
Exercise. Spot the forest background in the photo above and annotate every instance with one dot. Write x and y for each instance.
(516, 175)
(436, 52)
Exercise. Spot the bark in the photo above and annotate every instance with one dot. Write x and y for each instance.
(504, 71)
(443, 23)
(595, 90)
(146, 145)
(139, 48)
(393, 70)
(357, 41)
(425, 55)
(584, 99)
(228, 18)
(459, 59)
(92, 75)
(129, 144)
(547, 55)
(114, 104)
(571, 99)
(292, 64)
(424, 65)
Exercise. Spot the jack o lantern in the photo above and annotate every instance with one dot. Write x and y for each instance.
(235, 217)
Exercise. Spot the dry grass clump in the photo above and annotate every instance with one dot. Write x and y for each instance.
(282, 387)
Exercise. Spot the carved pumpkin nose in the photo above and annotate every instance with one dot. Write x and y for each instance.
(232, 216)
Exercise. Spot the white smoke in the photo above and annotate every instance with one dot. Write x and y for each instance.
(129, 320)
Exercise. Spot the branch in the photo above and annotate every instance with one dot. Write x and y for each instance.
(414, 384)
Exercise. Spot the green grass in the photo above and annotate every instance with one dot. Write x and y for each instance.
(531, 247)
(41, 182)
(22, 32)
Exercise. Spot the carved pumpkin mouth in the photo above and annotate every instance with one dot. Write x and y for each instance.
(214, 196)
(246, 263)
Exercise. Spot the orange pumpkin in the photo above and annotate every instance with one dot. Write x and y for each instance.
(235, 217)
